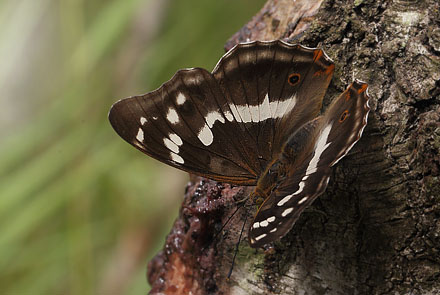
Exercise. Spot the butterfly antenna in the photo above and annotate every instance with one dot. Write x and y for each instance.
(236, 247)
(224, 225)
(227, 221)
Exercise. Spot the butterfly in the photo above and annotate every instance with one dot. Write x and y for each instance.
(254, 120)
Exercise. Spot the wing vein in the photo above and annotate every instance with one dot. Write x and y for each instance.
(163, 119)
(247, 103)
(206, 123)
(232, 99)
(244, 157)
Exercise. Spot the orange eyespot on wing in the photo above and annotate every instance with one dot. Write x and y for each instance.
(343, 116)
(293, 79)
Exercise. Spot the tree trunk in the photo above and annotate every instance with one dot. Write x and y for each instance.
(376, 230)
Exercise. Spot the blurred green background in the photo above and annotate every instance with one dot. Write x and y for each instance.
(81, 211)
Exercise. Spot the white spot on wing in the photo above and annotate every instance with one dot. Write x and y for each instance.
(143, 120)
(288, 197)
(255, 113)
(264, 223)
(260, 237)
(285, 106)
(273, 108)
(284, 200)
(301, 187)
(172, 116)
(235, 112)
(171, 145)
(176, 139)
(265, 109)
(176, 158)
(205, 135)
(271, 219)
(287, 211)
(140, 135)
(244, 112)
(256, 225)
(213, 116)
(320, 146)
(180, 99)
(302, 200)
(273, 230)
(229, 116)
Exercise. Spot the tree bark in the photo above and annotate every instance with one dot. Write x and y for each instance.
(376, 230)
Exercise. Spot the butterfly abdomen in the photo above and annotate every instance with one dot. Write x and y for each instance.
(297, 145)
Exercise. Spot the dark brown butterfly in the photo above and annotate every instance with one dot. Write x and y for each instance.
(252, 121)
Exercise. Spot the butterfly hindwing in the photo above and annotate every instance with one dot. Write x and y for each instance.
(279, 212)
(329, 138)
(350, 114)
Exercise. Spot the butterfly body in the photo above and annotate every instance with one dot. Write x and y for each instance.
(252, 121)
(285, 164)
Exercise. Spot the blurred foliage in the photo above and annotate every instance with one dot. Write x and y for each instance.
(81, 212)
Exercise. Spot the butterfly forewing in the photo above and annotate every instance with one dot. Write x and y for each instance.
(330, 137)
(224, 125)
(208, 109)
(172, 124)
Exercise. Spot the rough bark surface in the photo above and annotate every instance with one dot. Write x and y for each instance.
(376, 230)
